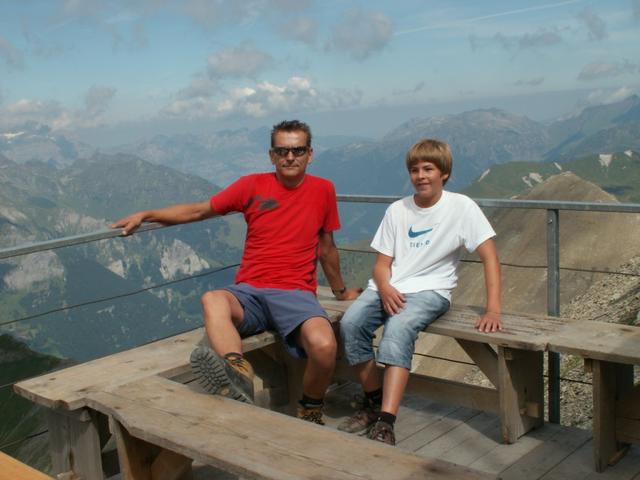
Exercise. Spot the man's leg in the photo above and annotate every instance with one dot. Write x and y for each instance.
(318, 341)
(222, 314)
(222, 369)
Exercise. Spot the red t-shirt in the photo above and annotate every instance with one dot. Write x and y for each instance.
(283, 228)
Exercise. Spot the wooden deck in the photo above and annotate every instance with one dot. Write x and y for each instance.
(472, 438)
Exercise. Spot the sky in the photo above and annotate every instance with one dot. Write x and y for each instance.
(112, 70)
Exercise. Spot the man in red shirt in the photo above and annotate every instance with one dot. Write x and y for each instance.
(290, 217)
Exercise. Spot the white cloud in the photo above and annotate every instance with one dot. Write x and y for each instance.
(542, 38)
(600, 97)
(52, 113)
(301, 29)
(238, 62)
(12, 57)
(594, 23)
(361, 33)
(262, 99)
(97, 100)
(597, 70)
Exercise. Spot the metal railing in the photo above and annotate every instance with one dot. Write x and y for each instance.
(552, 208)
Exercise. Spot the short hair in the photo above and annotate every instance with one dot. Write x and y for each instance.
(433, 151)
(290, 126)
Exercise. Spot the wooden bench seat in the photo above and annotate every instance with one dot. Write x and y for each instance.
(244, 440)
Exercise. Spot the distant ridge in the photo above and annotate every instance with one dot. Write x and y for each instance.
(522, 240)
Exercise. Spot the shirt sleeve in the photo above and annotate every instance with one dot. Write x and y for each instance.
(233, 198)
(475, 227)
(384, 241)
(332, 217)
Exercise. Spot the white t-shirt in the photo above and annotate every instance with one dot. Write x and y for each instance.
(426, 243)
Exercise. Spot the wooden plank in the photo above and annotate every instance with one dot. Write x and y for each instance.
(521, 331)
(484, 357)
(254, 442)
(13, 469)
(520, 388)
(421, 439)
(610, 342)
(452, 440)
(504, 455)
(548, 455)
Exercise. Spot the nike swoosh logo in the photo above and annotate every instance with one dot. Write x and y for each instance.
(413, 234)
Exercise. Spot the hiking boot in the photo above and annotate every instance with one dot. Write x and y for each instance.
(231, 376)
(311, 414)
(382, 432)
(363, 419)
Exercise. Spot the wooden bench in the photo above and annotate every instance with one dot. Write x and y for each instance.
(244, 440)
(12, 469)
(511, 359)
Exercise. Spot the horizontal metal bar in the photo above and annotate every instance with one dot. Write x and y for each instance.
(509, 203)
(483, 202)
(73, 240)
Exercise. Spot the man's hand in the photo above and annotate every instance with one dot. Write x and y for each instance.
(348, 294)
(489, 322)
(129, 224)
(392, 300)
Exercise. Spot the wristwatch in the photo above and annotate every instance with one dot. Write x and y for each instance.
(339, 292)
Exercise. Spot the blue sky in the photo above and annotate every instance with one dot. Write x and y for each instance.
(145, 66)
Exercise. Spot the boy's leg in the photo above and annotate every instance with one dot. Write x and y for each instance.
(357, 329)
(396, 351)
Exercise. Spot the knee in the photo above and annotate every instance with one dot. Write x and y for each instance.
(323, 349)
(212, 297)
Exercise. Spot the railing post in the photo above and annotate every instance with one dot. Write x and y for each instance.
(553, 308)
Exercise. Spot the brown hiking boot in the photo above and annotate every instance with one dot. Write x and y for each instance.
(382, 432)
(311, 414)
(363, 419)
(231, 376)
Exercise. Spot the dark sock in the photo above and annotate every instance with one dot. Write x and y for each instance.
(387, 417)
(374, 398)
(231, 355)
(308, 402)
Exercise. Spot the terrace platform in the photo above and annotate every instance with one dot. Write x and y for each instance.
(472, 438)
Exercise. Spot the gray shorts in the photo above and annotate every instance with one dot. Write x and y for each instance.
(276, 309)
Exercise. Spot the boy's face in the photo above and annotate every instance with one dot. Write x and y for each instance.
(428, 181)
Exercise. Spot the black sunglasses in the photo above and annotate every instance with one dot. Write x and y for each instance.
(284, 151)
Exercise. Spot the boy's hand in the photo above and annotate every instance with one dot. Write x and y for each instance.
(489, 322)
(392, 299)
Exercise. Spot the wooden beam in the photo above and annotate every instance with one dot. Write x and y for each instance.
(439, 389)
(521, 394)
(484, 356)
(74, 443)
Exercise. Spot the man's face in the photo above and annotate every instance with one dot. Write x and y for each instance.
(290, 155)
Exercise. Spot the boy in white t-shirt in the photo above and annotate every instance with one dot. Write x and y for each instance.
(420, 243)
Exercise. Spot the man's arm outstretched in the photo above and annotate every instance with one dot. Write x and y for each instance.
(172, 215)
